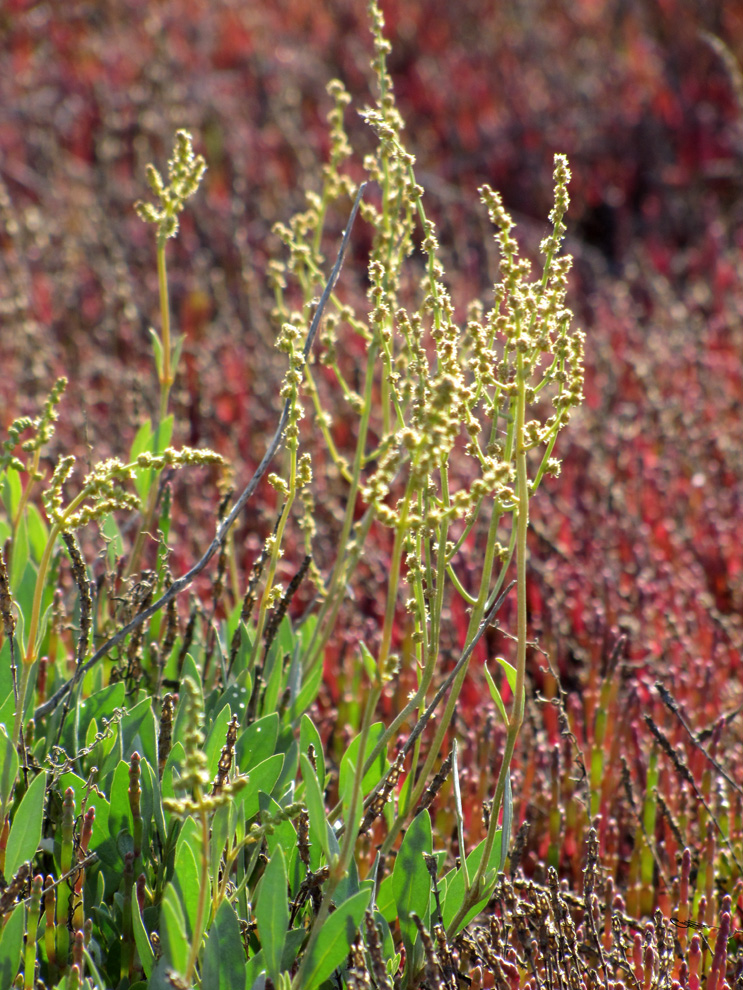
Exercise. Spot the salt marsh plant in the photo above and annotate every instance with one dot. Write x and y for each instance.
(214, 847)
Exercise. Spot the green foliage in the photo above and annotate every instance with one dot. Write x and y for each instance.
(211, 840)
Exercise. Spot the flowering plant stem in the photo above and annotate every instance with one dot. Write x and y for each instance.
(166, 378)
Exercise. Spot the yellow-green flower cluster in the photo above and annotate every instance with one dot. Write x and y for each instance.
(185, 172)
(290, 341)
(100, 495)
(102, 491)
(42, 426)
(194, 778)
(186, 456)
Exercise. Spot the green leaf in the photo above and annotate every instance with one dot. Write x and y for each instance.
(138, 732)
(186, 881)
(307, 693)
(262, 778)
(315, 806)
(141, 940)
(411, 881)
(162, 434)
(216, 739)
(101, 842)
(97, 706)
(20, 555)
(386, 900)
(370, 664)
(120, 817)
(7, 707)
(256, 964)
(289, 746)
(335, 939)
(9, 764)
(25, 829)
(11, 944)
(237, 694)
(180, 726)
(224, 964)
(495, 695)
(510, 671)
(454, 880)
(219, 833)
(283, 835)
(273, 672)
(141, 442)
(308, 735)
(507, 821)
(176, 348)
(172, 933)
(257, 743)
(12, 491)
(376, 771)
(347, 795)
(152, 798)
(38, 532)
(114, 539)
(272, 913)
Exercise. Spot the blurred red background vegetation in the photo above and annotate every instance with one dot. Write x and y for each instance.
(640, 537)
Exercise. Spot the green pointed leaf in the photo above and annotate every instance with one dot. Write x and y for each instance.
(25, 829)
(138, 732)
(335, 940)
(12, 491)
(495, 695)
(376, 771)
(114, 539)
(186, 881)
(175, 353)
(141, 940)
(257, 743)
(180, 725)
(97, 706)
(173, 937)
(224, 964)
(20, 555)
(120, 817)
(101, 842)
(9, 764)
(411, 881)
(370, 664)
(11, 944)
(158, 349)
(454, 883)
(274, 676)
(507, 821)
(307, 693)
(510, 672)
(38, 532)
(261, 778)
(308, 735)
(256, 964)
(215, 740)
(272, 913)
(141, 442)
(315, 806)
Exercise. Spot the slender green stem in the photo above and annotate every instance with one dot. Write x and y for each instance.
(165, 374)
(517, 715)
(204, 888)
(339, 577)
